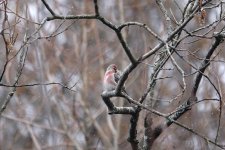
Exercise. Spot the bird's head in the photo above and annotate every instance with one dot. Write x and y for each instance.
(112, 67)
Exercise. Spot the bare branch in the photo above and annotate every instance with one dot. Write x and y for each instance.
(48, 7)
(206, 62)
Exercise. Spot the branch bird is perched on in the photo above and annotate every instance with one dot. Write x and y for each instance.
(111, 78)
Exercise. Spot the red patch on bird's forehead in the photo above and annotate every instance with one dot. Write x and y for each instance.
(114, 66)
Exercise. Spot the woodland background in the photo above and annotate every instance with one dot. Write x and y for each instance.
(54, 54)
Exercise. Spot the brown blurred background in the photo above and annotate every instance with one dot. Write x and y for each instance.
(76, 53)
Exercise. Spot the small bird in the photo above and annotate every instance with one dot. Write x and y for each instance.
(111, 78)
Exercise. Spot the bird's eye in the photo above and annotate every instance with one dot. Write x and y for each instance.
(114, 68)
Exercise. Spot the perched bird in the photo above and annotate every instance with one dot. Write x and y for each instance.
(111, 78)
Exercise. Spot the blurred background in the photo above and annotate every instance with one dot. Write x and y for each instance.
(76, 53)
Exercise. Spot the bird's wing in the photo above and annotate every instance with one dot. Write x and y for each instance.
(117, 76)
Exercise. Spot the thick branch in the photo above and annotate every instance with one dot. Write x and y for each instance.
(113, 109)
(132, 138)
(69, 17)
(206, 62)
(48, 7)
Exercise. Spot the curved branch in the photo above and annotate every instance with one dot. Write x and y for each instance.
(48, 7)
(206, 62)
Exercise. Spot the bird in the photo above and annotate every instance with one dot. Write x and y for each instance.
(111, 78)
